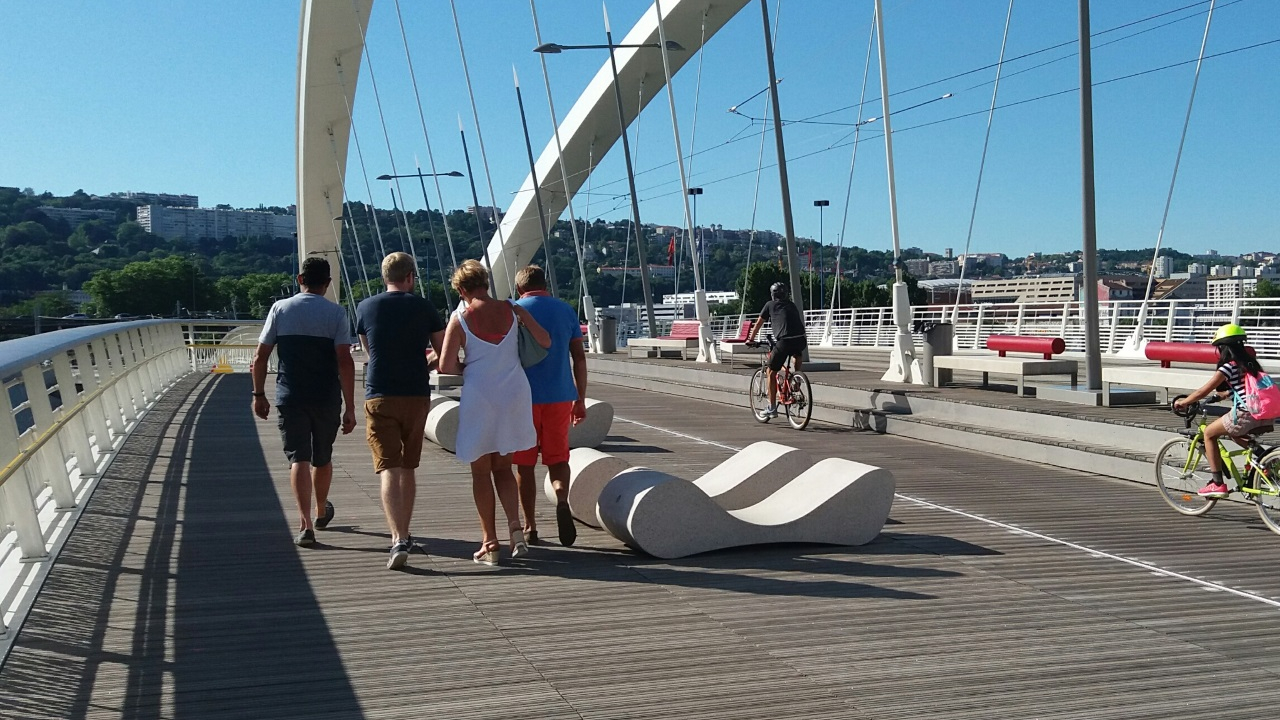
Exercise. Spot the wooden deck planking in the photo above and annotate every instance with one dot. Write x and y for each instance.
(180, 596)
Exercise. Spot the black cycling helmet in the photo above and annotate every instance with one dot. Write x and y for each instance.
(779, 291)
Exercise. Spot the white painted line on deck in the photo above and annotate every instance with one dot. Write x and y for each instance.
(1153, 569)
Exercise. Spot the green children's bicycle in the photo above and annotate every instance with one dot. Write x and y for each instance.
(1182, 468)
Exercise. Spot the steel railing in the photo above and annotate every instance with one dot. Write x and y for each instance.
(1164, 320)
(69, 400)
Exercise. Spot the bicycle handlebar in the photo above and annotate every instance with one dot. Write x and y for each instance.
(1189, 413)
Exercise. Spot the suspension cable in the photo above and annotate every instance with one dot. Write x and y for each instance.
(755, 196)
(626, 263)
(853, 161)
(431, 161)
(1204, 41)
(346, 211)
(484, 159)
(386, 136)
(982, 162)
(364, 171)
(564, 173)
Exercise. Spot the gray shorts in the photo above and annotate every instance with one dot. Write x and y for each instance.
(1237, 422)
(308, 432)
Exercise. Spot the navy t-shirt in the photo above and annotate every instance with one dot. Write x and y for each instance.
(305, 329)
(398, 326)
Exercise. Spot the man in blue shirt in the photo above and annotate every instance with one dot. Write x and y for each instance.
(315, 377)
(559, 401)
(396, 329)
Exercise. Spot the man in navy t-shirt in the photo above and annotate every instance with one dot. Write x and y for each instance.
(559, 400)
(396, 329)
(312, 339)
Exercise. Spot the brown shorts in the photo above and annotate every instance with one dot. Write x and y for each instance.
(394, 428)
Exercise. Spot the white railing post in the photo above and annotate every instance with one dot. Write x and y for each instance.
(97, 419)
(1236, 305)
(15, 494)
(51, 456)
(1114, 316)
(1022, 312)
(1066, 316)
(78, 429)
(1170, 318)
(879, 324)
(977, 330)
(108, 368)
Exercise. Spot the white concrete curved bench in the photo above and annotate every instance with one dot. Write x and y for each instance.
(442, 422)
(836, 501)
(592, 431)
(589, 471)
(753, 474)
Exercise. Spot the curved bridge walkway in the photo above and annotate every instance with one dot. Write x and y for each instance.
(999, 589)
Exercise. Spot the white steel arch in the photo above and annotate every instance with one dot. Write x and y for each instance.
(331, 35)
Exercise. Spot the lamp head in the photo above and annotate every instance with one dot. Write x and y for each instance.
(453, 173)
(384, 177)
(548, 48)
(675, 46)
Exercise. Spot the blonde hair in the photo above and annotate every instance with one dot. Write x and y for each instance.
(397, 267)
(470, 276)
(531, 277)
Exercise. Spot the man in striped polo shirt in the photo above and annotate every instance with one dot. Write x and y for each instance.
(315, 378)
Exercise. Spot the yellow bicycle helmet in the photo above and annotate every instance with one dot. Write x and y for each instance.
(1229, 333)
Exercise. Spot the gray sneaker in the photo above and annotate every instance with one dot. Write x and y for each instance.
(399, 555)
(306, 538)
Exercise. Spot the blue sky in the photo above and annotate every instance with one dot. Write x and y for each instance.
(199, 97)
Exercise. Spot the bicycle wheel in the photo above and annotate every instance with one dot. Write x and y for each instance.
(1267, 482)
(758, 394)
(800, 408)
(1179, 475)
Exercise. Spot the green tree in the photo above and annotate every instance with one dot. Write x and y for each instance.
(753, 287)
(1267, 289)
(153, 287)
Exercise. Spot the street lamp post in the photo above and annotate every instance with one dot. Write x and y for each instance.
(537, 190)
(435, 243)
(641, 246)
(694, 192)
(821, 205)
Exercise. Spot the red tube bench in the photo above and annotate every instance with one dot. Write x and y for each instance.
(729, 347)
(1003, 364)
(683, 337)
(1164, 377)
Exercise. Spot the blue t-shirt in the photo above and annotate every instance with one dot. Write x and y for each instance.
(398, 326)
(305, 329)
(552, 379)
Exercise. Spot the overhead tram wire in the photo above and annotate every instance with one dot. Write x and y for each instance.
(1173, 180)
(564, 173)
(961, 116)
(976, 70)
(431, 161)
(853, 162)
(982, 162)
(364, 171)
(484, 158)
(386, 136)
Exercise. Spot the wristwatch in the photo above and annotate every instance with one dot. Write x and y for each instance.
(259, 394)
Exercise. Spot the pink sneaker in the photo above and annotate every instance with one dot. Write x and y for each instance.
(1214, 490)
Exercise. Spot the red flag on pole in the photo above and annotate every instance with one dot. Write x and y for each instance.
(671, 251)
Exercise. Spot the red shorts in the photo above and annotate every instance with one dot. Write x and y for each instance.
(552, 421)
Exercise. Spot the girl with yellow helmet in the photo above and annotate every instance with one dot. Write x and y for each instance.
(1234, 360)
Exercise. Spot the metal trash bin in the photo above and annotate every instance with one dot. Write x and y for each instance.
(938, 340)
(608, 334)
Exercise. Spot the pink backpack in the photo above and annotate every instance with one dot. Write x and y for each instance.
(1261, 396)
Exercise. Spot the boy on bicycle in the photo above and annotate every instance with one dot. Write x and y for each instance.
(1234, 360)
(788, 328)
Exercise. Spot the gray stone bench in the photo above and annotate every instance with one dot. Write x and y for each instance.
(1018, 367)
(1152, 376)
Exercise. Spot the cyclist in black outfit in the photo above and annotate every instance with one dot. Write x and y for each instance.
(788, 329)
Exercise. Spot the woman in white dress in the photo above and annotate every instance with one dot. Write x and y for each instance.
(496, 416)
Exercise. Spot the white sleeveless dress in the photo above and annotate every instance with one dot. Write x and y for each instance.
(497, 408)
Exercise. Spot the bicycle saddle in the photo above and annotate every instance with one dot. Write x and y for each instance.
(1261, 430)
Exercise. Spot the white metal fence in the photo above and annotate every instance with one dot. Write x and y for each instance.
(1166, 320)
(69, 398)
